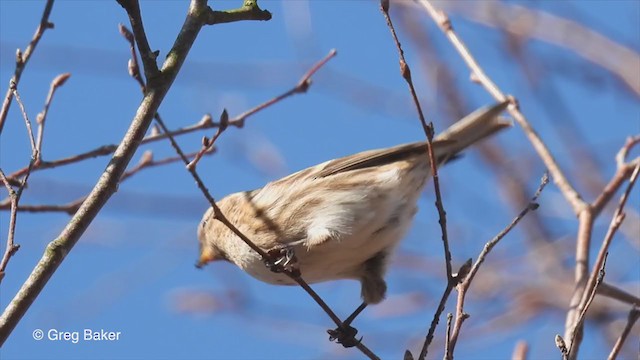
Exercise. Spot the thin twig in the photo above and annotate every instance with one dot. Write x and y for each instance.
(208, 143)
(132, 7)
(249, 11)
(610, 291)
(34, 149)
(444, 23)
(23, 58)
(596, 274)
(532, 205)
(68, 208)
(624, 151)
(359, 345)
(634, 314)
(146, 162)
(42, 116)
(520, 351)
(579, 206)
(573, 140)
(15, 195)
(11, 245)
(428, 129)
(405, 71)
(625, 169)
(590, 297)
(100, 151)
(133, 67)
(447, 338)
(512, 179)
(620, 177)
(464, 286)
(462, 273)
(585, 281)
(616, 58)
(301, 87)
(581, 272)
(452, 280)
(205, 123)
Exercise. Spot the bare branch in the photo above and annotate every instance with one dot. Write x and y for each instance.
(583, 312)
(205, 123)
(624, 151)
(34, 149)
(617, 59)
(132, 7)
(249, 11)
(301, 87)
(447, 339)
(610, 291)
(23, 58)
(14, 196)
(625, 169)
(429, 132)
(11, 245)
(106, 186)
(465, 284)
(634, 314)
(442, 20)
(464, 270)
(575, 330)
(42, 116)
(133, 68)
(520, 351)
(428, 129)
(580, 207)
(146, 162)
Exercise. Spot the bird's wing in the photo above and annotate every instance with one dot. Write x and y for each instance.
(474, 127)
(375, 158)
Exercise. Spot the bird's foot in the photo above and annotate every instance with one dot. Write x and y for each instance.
(345, 335)
(283, 260)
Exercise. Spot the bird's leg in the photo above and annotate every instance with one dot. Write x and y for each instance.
(354, 314)
(346, 334)
(283, 260)
(373, 291)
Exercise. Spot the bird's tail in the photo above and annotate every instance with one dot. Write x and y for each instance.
(474, 127)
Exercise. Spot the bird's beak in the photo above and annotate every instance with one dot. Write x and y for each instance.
(206, 256)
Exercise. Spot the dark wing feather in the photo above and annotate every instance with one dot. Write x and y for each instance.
(377, 158)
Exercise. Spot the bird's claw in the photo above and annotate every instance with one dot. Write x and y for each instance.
(345, 335)
(283, 260)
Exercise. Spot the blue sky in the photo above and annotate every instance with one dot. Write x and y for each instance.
(133, 269)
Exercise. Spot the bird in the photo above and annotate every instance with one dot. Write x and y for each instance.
(343, 218)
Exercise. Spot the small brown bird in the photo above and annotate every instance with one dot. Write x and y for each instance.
(341, 218)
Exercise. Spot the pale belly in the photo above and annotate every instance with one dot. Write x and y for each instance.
(372, 219)
(335, 260)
